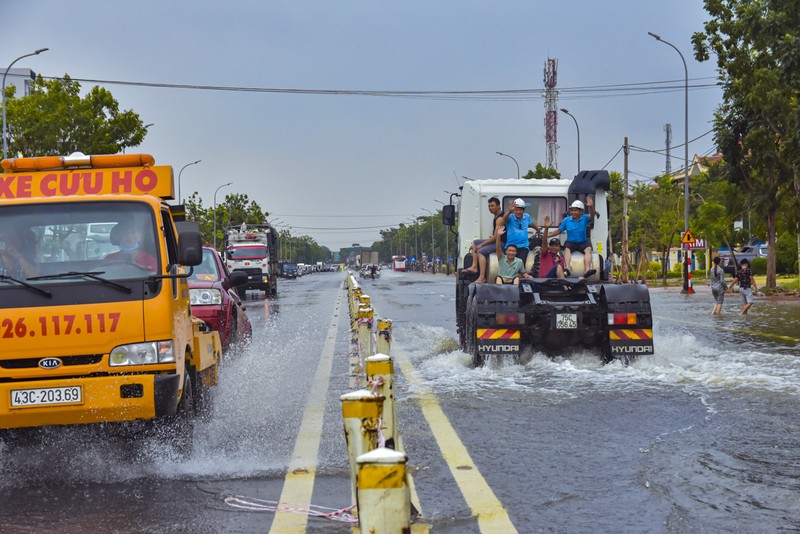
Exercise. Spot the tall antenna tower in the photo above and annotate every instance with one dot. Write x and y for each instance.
(668, 129)
(551, 115)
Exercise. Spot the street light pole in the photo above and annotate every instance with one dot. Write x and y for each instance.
(506, 155)
(433, 243)
(5, 140)
(687, 289)
(180, 198)
(215, 211)
(579, 136)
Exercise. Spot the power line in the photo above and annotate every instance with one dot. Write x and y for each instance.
(591, 91)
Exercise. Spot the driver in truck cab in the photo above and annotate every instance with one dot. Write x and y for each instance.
(128, 237)
(17, 253)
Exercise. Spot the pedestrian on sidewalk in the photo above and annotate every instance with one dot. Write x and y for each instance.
(718, 286)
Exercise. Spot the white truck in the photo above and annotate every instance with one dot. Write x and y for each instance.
(547, 315)
(252, 249)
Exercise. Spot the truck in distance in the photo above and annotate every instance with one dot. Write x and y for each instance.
(253, 249)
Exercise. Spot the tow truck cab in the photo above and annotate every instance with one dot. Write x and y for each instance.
(90, 335)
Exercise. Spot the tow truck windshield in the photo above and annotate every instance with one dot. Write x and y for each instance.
(65, 242)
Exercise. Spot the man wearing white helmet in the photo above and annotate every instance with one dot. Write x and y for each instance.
(576, 225)
(517, 223)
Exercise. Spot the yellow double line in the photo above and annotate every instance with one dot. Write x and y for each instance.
(299, 484)
(491, 515)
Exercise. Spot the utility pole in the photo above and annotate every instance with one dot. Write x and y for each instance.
(625, 216)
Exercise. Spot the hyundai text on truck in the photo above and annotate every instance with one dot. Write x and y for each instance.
(548, 315)
(95, 320)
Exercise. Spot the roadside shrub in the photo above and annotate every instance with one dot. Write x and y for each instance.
(758, 265)
(654, 269)
(786, 254)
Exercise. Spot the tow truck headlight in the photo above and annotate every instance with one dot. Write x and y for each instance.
(205, 297)
(142, 354)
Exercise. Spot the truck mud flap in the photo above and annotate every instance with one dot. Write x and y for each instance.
(630, 322)
(497, 341)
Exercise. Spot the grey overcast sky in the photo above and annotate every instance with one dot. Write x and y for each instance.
(340, 167)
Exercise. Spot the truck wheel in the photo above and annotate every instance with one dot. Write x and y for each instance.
(242, 292)
(472, 334)
(183, 422)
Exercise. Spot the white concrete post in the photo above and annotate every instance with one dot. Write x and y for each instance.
(380, 375)
(362, 412)
(384, 498)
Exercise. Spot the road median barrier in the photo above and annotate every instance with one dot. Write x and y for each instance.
(370, 423)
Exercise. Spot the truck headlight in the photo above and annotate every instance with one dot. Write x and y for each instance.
(205, 297)
(142, 354)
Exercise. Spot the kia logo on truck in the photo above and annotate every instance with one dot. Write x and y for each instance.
(49, 363)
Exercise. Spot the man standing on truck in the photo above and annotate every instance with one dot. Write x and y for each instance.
(576, 226)
(482, 248)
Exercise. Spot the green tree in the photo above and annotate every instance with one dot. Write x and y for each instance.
(756, 125)
(656, 218)
(542, 172)
(722, 204)
(55, 120)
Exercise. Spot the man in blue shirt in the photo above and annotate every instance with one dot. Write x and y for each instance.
(516, 229)
(576, 225)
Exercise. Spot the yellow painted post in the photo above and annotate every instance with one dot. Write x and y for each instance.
(384, 498)
(384, 336)
(380, 376)
(362, 412)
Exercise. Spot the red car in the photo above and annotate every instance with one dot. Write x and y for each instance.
(212, 292)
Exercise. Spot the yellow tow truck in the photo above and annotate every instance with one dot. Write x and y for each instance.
(95, 321)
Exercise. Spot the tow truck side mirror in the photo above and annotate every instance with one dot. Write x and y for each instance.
(190, 244)
(449, 215)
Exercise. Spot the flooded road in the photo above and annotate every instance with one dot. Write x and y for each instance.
(701, 437)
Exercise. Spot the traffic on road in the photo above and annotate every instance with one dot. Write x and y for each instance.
(697, 436)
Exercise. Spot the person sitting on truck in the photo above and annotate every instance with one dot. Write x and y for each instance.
(128, 236)
(516, 228)
(510, 268)
(551, 262)
(17, 253)
(483, 248)
(576, 226)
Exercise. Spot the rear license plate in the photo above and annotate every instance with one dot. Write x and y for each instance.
(566, 321)
(21, 398)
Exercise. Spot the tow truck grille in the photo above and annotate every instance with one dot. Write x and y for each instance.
(30, 363)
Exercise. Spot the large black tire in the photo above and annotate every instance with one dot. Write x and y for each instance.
(472, 332)
(241, 291)
(182, 424)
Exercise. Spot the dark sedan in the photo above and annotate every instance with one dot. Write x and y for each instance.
(212, 291)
